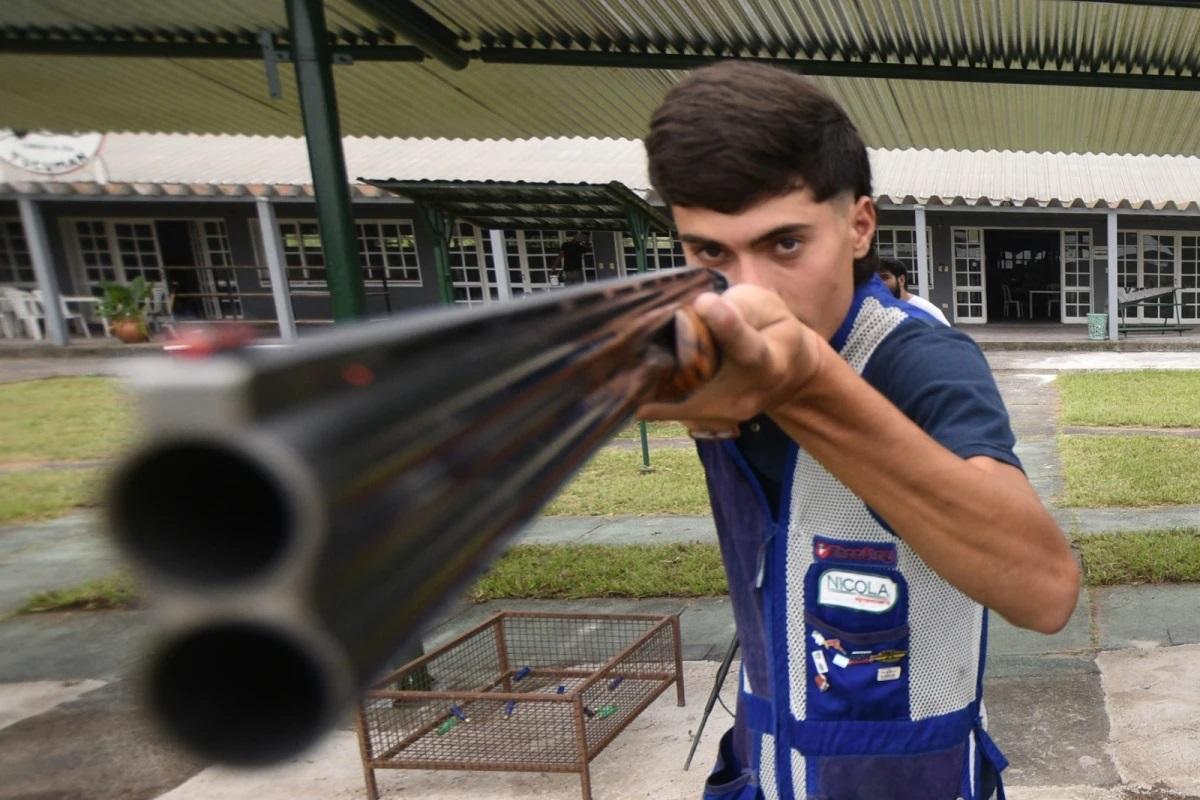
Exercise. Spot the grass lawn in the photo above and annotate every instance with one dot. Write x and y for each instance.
(1151, 399)
(1130, 470)
(612, 483)
(1171, 556)
(655, 430)
(62, 419)
(566, 572)
(46, 494)
(114, 592)
(562, 572)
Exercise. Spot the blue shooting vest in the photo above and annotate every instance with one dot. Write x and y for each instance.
(862, 669)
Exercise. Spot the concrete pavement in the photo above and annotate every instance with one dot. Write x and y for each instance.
(1105, 710)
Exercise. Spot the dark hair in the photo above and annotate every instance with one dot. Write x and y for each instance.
(894, 266)
(733, 134)
(736, 133)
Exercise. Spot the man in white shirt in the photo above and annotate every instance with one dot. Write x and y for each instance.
(895, 276)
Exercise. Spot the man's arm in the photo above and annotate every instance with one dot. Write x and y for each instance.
(976, 522)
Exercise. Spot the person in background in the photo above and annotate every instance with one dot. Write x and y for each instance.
(569, 266)
(895, 276)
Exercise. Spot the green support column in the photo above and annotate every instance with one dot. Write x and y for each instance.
(639, 229)
(322, 133)
(441, 225)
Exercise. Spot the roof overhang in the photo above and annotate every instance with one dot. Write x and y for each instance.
(1109, 76)
(520, 205)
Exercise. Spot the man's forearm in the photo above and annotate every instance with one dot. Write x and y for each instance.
(976, 522)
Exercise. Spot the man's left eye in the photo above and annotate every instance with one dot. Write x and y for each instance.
(788, 245)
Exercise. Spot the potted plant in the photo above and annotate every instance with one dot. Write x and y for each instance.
(124, 307)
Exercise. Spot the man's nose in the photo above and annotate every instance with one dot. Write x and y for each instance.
(747, 268)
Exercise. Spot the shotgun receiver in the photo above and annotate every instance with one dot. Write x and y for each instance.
(299, 514)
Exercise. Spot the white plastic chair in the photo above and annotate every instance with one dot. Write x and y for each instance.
(160, 305)
(69, 316)
(25, 309)
(8, 319)
(1006, 291)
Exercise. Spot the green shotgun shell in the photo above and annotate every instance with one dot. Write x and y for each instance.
(606, 711)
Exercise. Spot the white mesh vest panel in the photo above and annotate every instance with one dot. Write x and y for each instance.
(945, 624)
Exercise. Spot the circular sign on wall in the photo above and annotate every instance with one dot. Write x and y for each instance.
(48, 153)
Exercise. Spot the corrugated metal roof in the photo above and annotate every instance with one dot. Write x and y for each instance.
(948, 177)
(161, 17)
(1043, 33)
(539, 205)
(489, 100)
(148, 164)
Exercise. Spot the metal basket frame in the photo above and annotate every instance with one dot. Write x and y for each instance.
(557, 715)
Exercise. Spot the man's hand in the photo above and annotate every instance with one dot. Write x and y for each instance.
(767, 356)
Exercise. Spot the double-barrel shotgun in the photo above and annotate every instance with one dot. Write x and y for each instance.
(297, 515)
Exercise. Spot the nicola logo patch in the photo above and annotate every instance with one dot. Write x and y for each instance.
(866, 553)
(857, 590)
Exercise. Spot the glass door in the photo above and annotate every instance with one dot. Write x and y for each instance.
(1076, 298)
(970, 285)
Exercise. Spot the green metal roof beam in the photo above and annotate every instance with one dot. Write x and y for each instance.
(848, 69)
(231, 51)
(608, 213)
(420, 28)
(634, 205)
(605, 224)
(1151, 3)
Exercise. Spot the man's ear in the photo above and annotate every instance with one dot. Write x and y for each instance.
(862, 223)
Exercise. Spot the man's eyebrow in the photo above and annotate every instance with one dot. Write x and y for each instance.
(692, 238)
(790, 229)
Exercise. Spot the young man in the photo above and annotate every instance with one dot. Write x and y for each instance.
(860, 464)
(895, 277)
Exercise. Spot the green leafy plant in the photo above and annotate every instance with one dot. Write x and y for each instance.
(125, 302)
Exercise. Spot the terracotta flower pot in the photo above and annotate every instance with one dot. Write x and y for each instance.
(129, 331)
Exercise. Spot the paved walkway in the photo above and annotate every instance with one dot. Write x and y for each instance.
(1105, 710)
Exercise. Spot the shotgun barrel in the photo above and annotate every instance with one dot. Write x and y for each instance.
(299, 514)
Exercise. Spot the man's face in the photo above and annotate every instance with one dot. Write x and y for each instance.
(891, 282)
(799, 248)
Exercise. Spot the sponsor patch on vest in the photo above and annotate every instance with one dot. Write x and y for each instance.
(859, 552)
(857, 590)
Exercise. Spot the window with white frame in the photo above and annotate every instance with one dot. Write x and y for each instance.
(662, 252)
(303, 257)
(16, 267)
(385, 246)
(1189, 276)
(472, 275)
(220, 279)
(900, 243)
(531, 256)
(95, 251)
(111, 250)
(389, 248)
(1153, 259)
(1127, 260)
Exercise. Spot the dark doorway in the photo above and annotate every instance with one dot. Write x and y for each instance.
(181, 267)
(1022, 275)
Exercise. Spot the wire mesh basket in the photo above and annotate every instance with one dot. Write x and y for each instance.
(533, 692)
